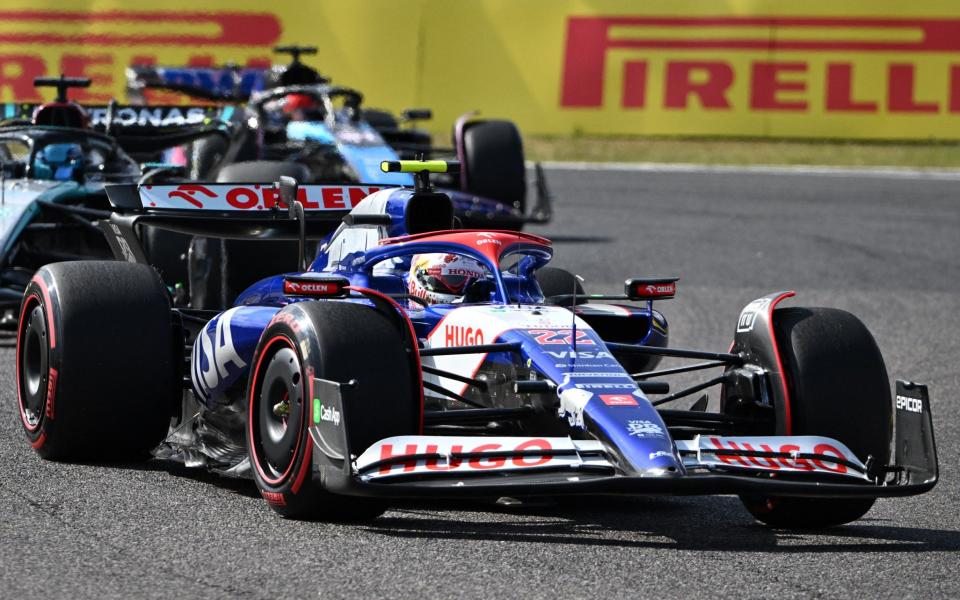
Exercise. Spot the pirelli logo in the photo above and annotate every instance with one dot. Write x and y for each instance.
(790, 65)
(99, 44)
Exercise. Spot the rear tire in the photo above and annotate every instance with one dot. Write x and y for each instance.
(495, 167)
(205, 156)
(263, 171)
(838, 389)
(381, 120)
(337, 341)
(213, 287)
(167, 251)
(555, 281)
(96, 372)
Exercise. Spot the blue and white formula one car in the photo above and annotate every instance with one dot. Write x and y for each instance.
(412, 359)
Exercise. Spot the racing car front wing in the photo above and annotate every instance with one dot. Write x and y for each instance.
(479, 466)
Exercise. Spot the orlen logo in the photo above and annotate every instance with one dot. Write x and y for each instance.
(190, 193)
(619, 399)
(457, 335)
(796, 464)
(664, 289)
(253, 197)
(488, 238)
(776, 85)
(476, 463)
(307, 288)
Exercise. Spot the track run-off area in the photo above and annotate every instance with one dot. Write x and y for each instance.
(882, 245)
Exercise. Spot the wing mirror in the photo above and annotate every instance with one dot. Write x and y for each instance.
(417, 114)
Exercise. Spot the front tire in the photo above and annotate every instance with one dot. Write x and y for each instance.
(219, 270)
(336, 341)
(838, 389)
(555, 281)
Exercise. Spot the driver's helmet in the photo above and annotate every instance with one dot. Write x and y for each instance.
(61, 162)
(443, 278)
(300, 106)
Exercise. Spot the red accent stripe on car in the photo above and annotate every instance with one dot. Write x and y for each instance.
(306, 464)
(250, 419)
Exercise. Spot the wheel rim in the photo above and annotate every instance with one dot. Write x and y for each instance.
(33, 365)
(278, 414)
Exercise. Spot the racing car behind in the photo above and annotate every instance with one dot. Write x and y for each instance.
(56, 158)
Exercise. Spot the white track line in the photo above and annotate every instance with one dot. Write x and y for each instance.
(648, 167)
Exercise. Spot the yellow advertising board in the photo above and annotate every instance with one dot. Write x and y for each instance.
(821, 68)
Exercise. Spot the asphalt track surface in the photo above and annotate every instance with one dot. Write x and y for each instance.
(886, 248)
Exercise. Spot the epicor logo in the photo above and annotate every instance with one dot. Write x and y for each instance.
(909, 404)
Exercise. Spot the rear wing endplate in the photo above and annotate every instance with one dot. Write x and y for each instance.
(915, 450)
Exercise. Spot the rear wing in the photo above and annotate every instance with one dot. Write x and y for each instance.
(224, 210)
(223, 84)
(146, 129)
(236, 199)
(128, 116)
(143, 128)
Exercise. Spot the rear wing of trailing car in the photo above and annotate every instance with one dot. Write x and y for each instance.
(226, 210)
(105, 117)
(143, 129)
(223, 84)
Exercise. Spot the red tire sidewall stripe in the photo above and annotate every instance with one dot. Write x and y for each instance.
(29, 301)
(278, 481)
(307, 463)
